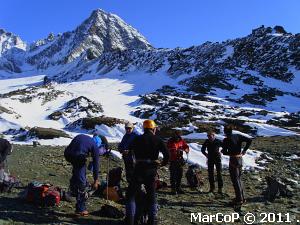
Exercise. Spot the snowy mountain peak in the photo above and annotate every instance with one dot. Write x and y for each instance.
(112, 32)
(101, 32)
(8, 41)
(100, 12)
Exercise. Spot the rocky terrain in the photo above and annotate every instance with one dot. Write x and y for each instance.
(104, 73)
(41, 163)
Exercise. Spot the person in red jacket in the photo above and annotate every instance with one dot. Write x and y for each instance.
(176, 146)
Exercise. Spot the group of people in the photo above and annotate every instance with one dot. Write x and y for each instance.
(141, 158)
(231, 146)
(140, 154)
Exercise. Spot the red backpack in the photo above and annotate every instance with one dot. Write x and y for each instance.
(52, 197)
(42, 194)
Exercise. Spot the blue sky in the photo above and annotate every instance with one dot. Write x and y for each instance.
(165, 23)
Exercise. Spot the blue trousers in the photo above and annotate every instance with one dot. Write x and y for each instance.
(78, 185)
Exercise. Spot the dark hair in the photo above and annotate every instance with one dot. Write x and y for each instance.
(210, 131)
(228, 129)
(177, 133)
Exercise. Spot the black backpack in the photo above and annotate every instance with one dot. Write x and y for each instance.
(275, 189)
(5, 149)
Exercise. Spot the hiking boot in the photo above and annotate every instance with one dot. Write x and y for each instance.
(83, 213)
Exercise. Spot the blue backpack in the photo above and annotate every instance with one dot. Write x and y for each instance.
(97, 140)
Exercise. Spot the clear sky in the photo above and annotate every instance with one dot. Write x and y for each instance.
(165, 23)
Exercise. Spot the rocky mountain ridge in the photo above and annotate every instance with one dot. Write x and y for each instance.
(254, 79)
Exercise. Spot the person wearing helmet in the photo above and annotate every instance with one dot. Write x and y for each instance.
(177, 146)
(123, 149)
(232, 146)
(76, 153)
(145, 148)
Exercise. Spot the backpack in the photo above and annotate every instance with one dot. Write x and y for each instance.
(275, 189)
(36, 192)
(42, 194)
(97, 140)
(112, 194)
(193, 176)
(115, 176)
(52, 197)
(159, 183)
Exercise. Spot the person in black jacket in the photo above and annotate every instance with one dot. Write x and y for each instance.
(232, 146)
(123, 149)
(5, 150)
(146, 149)
(213, 155)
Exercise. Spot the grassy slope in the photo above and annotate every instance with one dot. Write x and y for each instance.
(47, 164)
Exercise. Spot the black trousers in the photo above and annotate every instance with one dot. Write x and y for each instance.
(146, 177)
(235, 170)
(211, 164)
(176, 172)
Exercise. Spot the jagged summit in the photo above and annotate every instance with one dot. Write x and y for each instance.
(262, 30)
(101, 32)
(131, 38)
(9, 40)
(106, 32)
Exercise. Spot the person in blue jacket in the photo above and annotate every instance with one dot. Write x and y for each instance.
(77, 152)
(123, 149)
